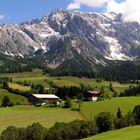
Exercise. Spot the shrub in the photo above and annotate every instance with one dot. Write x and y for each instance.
(67, 103)
(129, 119)
(136, 114)
(21, 134)
(10, 133)
(34, 132)
(119, 123)
(104, 122)
(84, 132)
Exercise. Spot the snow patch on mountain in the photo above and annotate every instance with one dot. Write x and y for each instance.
(44, 48)
(115, 50)
(9, 53)
(47, 32)
(94, 36)
(110, 15)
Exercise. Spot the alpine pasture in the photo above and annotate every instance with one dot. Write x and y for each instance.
(130, 133)
(23, 115)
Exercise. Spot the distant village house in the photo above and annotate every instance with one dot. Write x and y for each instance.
(47, 98)
(92, 95)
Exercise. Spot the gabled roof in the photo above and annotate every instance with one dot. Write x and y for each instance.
(45, 96)
(94, 92)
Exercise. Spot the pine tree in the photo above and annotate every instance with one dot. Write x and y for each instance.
(119, 114)
(5, 101)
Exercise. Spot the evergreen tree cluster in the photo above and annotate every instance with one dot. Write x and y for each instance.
(14, 64)
(5, 80)
(69, 72)
(131, 91)
(124, 72)
(39, 88)
(13, 67)
(106, 121)
(68, 92)
(60, 131)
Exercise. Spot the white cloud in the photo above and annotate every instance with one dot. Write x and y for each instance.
(90, 3)
(72, 6)
(2, 17)
(130, 9)
(113, 6)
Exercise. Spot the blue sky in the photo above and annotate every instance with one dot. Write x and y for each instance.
(16, 11)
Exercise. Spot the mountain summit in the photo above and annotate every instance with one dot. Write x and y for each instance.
(75, 37)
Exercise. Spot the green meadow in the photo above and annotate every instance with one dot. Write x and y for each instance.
(21, 116)
(130, 133)
(20, 87)
(16, 99)
(37, 77)
(91, 109)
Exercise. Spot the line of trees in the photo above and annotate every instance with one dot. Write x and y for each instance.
(131, 91)
(14, 64)
(26, 94)
(68, 92)
(122, 72)
(77, 129)
(14, 68)
(5, 80)
(106, 121)
(36, 88)
(78, 73)
(60, 131)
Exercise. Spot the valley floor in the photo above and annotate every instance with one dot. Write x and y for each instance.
(22, 116)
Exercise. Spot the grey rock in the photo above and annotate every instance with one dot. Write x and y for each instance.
(96, 37)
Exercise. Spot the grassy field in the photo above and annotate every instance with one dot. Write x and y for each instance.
(20, 87)
(13, 98)
(37, 77)
(24, 115)
(90, 109)
(131, 133)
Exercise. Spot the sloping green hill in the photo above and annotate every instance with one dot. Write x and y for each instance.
(16, 99)
(130, 133)
(91, 109)
(37, 77)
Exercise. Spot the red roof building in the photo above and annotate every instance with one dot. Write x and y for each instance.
(93, 95)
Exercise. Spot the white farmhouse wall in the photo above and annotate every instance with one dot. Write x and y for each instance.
(94, 98)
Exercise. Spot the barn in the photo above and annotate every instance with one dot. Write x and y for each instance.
(47, 98)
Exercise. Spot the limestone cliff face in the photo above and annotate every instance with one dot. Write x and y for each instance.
(66, 35)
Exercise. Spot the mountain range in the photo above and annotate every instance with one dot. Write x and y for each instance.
(73, 39)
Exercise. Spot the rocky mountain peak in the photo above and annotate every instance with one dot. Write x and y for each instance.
(67, 35)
